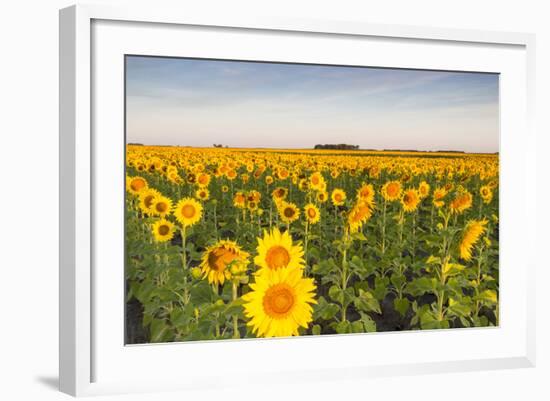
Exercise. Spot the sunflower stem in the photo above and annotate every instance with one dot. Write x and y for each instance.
(383, 248)
(236, 333)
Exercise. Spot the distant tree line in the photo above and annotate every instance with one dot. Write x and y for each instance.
(341, 146)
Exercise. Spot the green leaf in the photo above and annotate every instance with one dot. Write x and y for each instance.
(158, 328)
(368, 323)
(366, 302)
(489, 296)
(316, 330)
(401, 305)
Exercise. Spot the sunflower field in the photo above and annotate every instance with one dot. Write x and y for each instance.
(243, 243)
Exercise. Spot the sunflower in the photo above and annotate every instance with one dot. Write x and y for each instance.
(163, 230)
(239, 200)
(147, 199)
(317, 181)
(366, 194)
(252, 205)
(280, 303)
(288, 211)
(410, 200)
(231, 175)
(322, 197)
(276, 251)
(312, 213)
(338, 197)
(136, 184)
(221, 260)
(203, 180)
(269, 180)
(461, 202)
(423, 189)
(391, 190)
(188, 211)
(279, 193)
(282, 173)
(162, 206)
(486, 194)
(472, 232)
(254, 196)
(202, 194)
(359, 215)
(439, 194)
(225, 189)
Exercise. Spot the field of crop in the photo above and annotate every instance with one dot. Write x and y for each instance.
(238, 243)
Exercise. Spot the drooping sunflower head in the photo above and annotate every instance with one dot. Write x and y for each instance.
(188, 211)
(163, 230)
(223, 260)
(410, 200)
(359, 215)
(391, 190)
(423, 189)
(288, 212)
(338, 197)
(472, 232)
(135, 185)
(277, 251)
(461, 202)
(162, 206)
(312, 213)
(280, 303)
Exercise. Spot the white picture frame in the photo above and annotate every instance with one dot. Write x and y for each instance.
(88, 366)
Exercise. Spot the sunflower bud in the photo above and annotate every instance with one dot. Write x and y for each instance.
(196, 273)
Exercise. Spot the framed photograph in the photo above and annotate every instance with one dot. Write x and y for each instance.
(296, 197)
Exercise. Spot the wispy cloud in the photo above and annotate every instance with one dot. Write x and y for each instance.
(200, 102)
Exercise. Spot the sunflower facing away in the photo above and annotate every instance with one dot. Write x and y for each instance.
(280, 303)
(163, 230)
(391, 190)
(312, 213)
(410, 200)
(472, 232)
(220, 259)
(276, 251)
(338, 197)
(188, 211)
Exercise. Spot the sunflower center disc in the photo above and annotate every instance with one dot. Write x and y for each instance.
(278, 300)
(218, 259)
(277, 257)
(188, 211)
(164, 230)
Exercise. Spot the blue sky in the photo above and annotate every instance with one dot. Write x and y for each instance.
(189, 102)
